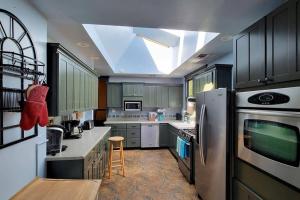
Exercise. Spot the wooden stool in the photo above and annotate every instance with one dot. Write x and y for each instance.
(118, 142)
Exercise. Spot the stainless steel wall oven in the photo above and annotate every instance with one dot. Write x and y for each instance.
(268, 131)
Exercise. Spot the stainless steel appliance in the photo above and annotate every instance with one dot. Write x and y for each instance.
(268, 131)
(149, 135)
(132, 105)
(69, 126)
(88, 125)
(212, 144)
(186, 164)
(55, 137)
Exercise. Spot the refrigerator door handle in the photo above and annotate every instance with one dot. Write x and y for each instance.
(202, 133)
(199, 134)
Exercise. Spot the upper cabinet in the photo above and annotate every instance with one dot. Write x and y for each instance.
(73, 85)
(214, 76)
(267, 52)
(114, 95)
(149, 97)
(133, 89)
(249, 51)
(175, 97)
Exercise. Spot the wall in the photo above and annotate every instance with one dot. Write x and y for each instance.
(225, 59)
(18, 162)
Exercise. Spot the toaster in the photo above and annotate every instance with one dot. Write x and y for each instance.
(88, 125)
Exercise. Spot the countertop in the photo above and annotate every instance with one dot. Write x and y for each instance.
(79, 148)
(175, 123)
(59, 189)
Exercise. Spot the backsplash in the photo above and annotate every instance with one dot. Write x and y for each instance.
(119, 113)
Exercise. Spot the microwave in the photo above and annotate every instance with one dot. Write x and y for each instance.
(132, 105)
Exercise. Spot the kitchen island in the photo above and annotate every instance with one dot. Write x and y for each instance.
(84, 158)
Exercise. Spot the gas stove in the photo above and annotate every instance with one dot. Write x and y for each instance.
(187, 134)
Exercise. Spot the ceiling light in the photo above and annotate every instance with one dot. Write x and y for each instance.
(83, 44)
(95, 58)
(226, 38)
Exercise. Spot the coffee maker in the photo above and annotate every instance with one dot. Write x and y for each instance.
(70, 125)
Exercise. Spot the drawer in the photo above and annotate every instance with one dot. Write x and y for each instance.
(133, 126)
(133, 133)
(119, 132)
(117, 126)
(133, 142)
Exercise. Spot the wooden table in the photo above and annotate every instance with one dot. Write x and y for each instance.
(59, 189)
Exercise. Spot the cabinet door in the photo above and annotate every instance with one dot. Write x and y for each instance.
(77, 88)
(86, 91)
(278, 69)
(163, 135)
(62, 88)
(242, 192)
(249, 56)
(162, 97)
(114, 96)
(82, 90)
(294, 40)
(175, 97)
(70, 87)
(149, 96)
(130, 90)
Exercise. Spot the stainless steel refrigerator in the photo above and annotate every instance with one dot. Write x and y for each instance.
(212, 144)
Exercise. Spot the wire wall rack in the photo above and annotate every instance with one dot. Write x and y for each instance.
(20, 67)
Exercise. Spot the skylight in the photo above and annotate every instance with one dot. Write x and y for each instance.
(134, 50)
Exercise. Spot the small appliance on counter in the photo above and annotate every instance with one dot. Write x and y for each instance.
(55, 137)
(88, 125)
(161, 114)
(178, 116)
(70, 126)
(152, 116)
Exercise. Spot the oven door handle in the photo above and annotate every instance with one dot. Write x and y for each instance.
(202, 132)
(271, 113)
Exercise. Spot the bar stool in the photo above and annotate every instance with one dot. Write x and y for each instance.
(117, 143)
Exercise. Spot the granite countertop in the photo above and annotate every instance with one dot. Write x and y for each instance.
(79, 148)
(175, 123)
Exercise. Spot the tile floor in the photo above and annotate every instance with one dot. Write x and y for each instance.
(150, 175)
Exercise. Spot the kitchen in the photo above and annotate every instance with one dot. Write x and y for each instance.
(205, 109)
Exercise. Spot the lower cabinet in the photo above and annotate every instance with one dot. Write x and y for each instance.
(173, 133)
(91, 166)
(164, 137)
(242, 192)
(130, 132)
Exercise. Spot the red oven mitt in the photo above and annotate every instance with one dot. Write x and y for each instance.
(35, 108)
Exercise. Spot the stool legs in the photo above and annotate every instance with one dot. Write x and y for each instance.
(121, 161)
(111, 149)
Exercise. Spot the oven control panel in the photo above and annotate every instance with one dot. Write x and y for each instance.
(269, 98)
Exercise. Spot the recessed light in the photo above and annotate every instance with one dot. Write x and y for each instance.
(95, 58)
(83, 44)
(226, 38)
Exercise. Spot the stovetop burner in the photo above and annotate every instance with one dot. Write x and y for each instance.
(187, 134)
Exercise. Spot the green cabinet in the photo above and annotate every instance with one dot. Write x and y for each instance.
(114, 95)
(149, 97)
(133, 89)
(175, 96)
(162, 97)
(164, 137)
(73, 85)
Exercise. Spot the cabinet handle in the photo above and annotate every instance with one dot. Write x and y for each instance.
(270, 79)
(261, 81)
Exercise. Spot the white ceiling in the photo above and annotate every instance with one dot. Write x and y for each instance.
(66, 17)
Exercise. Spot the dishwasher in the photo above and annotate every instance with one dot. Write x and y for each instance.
(149, 135)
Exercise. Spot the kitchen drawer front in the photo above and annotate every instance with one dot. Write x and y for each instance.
(119, 132)
(133, 133)
(117, 126)
(133, 142)
(89, 159)
(133, 126)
